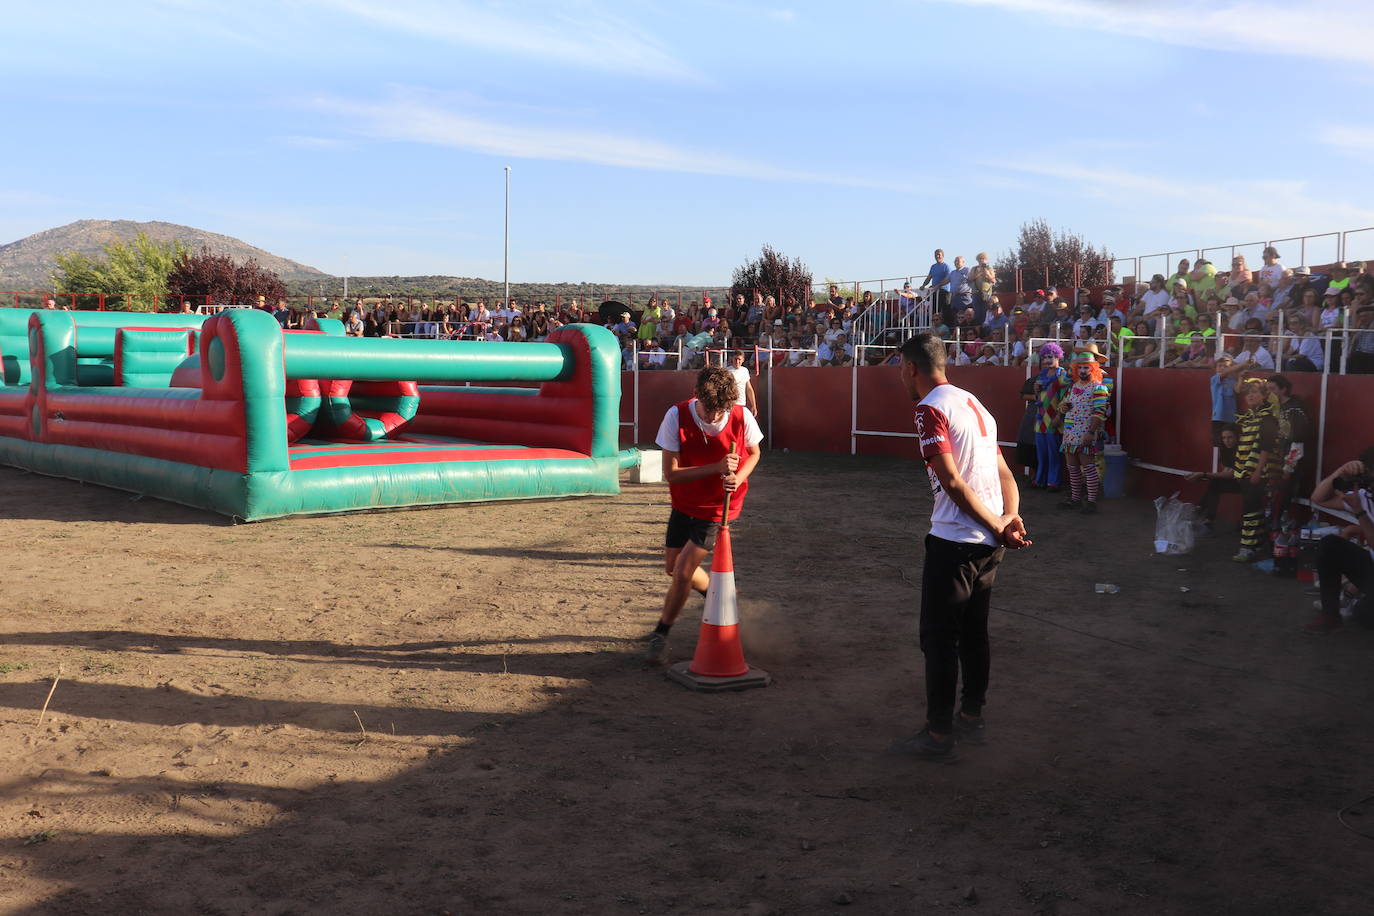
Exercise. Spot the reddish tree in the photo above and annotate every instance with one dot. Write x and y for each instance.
(205, 273)
(773, 275)
(1038, 247)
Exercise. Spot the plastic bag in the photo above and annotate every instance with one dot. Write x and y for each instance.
(1175, 532)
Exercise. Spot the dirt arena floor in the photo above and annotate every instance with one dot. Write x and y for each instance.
(444, 711)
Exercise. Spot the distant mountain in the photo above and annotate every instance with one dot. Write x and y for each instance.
(28, 263)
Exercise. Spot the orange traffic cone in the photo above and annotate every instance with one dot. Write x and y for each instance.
(719, 660)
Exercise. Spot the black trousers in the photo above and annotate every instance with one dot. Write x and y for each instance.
(1216, 487)
(956, 594)
(1337, 557)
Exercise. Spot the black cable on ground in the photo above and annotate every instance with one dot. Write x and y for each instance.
(1340, 816)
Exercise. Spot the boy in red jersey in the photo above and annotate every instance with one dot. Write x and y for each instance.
(710, 447)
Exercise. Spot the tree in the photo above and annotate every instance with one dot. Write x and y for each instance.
(137, 268)
(773, 275)
(205, 273)
(1039, 248)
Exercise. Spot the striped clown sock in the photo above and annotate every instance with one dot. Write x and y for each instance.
(1076, 482)
(1093, 481)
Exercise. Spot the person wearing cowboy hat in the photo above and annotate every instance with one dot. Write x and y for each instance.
(1085, 415)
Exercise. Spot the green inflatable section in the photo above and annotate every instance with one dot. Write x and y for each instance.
(224, 444)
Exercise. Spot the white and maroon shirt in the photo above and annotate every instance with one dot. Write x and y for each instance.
(951, 421)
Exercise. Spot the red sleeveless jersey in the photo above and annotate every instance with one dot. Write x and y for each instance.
(704, 498)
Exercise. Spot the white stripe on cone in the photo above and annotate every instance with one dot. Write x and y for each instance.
(722, 610)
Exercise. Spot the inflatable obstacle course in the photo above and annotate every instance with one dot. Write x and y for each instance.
(256, 423)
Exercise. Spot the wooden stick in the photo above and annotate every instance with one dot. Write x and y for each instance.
(44, 711)
(360, 725)
(725, 511)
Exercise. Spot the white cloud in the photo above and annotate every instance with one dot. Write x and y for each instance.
(416, 119)
(318, 143)
(1258, 209)
(782, 15)
(563, 33)
(1358, 140)
(1323, 29)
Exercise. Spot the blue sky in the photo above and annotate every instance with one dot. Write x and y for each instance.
(667, 141)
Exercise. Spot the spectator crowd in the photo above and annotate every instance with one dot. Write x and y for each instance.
(1271, 318)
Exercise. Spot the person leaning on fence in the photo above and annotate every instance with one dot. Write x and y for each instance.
(1219, 482)
(1051, 383)
(1347, 490)
(1258, 463)
(1295, 429)
(937, 278)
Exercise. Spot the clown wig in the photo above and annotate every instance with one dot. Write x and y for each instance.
(1094, 370)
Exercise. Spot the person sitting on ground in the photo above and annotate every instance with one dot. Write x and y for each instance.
(1347, 490)
(1222, 481)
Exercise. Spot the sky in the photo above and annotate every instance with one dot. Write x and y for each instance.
(666, 142)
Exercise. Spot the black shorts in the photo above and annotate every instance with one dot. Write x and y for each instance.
(683, 528)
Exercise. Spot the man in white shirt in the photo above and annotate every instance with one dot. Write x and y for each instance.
(1086, 319)
(1300, 342)
(1254, 352)
(974, 518)
(652, 356)
(742, 382)
(1155, 301)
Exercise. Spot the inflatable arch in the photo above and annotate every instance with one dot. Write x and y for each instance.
(257, 423)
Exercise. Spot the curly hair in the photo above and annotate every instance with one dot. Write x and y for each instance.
(716, 389)
(1094, 370)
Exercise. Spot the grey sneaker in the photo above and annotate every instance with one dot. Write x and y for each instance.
(925, 746)
(970, 730)
(656, 648)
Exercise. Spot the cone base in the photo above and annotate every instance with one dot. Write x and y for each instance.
(681, 674)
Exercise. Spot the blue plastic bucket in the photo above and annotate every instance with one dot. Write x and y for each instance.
(1114, 485)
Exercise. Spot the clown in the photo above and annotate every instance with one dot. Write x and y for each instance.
(1258, 463)
(1050, 384)
(1085, 414)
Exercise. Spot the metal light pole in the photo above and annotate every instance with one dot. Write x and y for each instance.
(345, 295)
(506, 267)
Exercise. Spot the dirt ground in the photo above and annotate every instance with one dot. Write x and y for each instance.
(444, 711)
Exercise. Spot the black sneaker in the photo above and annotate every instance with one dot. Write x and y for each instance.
(970, 730)
(1071, 503)
(1089, 507)
(656, 648)
(925, 746)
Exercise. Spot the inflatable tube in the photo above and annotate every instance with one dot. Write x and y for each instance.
(365, 411)
(302, 407)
